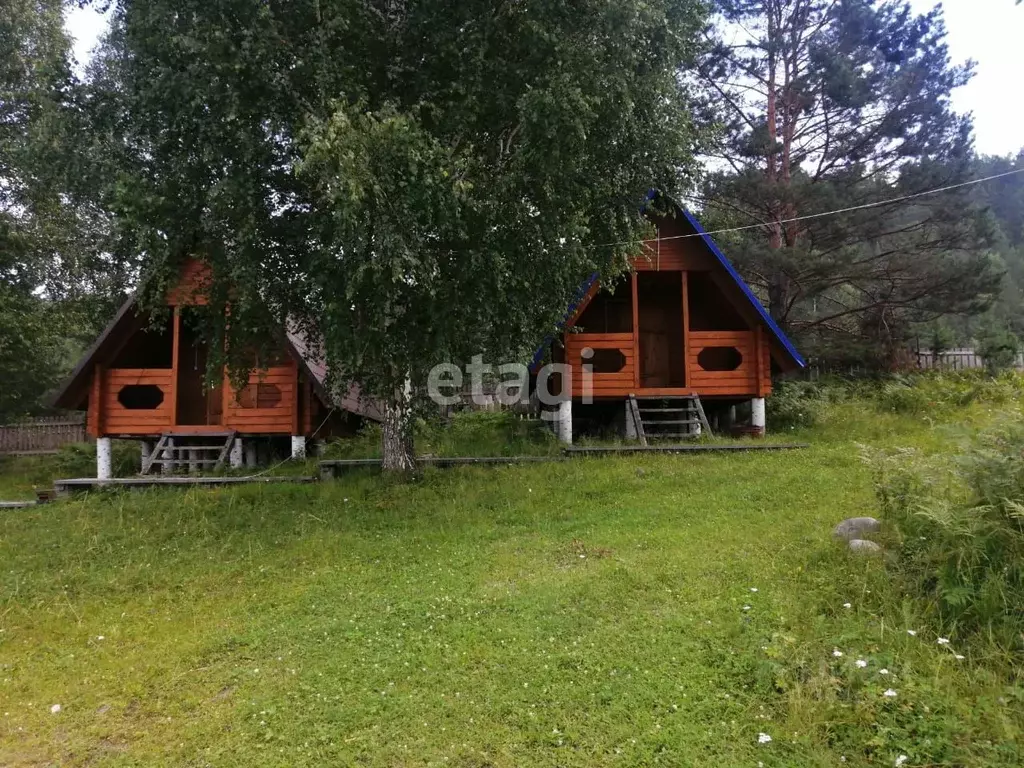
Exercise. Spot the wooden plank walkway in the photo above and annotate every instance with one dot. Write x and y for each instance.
(333, 467)
(596, 450)
(72, 485)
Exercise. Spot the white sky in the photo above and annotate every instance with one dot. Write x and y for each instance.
(991, 32)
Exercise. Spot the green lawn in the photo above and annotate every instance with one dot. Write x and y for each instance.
(592, 612)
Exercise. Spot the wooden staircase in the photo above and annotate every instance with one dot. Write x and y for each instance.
(202, 450)
(667, 417)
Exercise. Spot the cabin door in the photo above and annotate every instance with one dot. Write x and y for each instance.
(197, 405)
(660, 319)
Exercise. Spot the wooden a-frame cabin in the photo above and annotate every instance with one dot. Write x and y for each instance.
(683, 335)
(148, 383)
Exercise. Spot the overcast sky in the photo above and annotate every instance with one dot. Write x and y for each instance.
(991, 32)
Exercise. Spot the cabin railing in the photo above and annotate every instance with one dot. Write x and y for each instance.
(726, 362)
(267, 404)
(136, 401)
(718, 363)
(612, 373)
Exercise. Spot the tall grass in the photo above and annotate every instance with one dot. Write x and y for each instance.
(958, 523)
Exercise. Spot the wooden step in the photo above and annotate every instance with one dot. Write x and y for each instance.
(651, 419)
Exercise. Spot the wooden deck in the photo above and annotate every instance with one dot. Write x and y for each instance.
(333, 467)
(72, 485)
(583, 450)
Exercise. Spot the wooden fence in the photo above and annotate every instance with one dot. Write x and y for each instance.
(42, 435)
(957, 360)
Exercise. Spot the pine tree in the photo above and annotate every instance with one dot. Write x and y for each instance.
(837, 105)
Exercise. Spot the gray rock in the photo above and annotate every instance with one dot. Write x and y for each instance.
(856, 528)
(864, 547)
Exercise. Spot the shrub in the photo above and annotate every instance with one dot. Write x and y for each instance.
(959, 528)
(794, 404)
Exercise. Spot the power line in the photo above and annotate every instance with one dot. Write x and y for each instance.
(824, 213)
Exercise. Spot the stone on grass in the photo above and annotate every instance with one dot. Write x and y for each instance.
(856, 528)
(864, 546)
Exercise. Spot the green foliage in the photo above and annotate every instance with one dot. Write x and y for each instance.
(941, 395)
(870, 96)
(794, 404)
(959, 524)
(998, 347)
(59, 274)
(408, 183)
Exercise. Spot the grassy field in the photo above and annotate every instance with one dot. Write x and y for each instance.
(671, 610)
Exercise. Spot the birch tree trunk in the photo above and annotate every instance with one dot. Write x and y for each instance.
(396, 433)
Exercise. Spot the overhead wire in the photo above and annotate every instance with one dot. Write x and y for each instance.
(822, 214)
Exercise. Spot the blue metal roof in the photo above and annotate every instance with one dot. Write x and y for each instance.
(772, 325)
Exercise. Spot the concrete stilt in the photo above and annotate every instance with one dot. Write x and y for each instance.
(251, 458)
(145, 451)
(630, 424)
(104, 469)
(563, 421)
(757, 415)
(169, 454)
(319, 447)
(298, 446)
(235, 456)
(193, 461)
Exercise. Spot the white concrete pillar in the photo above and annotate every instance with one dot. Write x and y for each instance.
(298, 446)
(251, 458)
(319, 447)
(235, 456)
(145, 451)
(193, 461)
(631, 433)
(103, 458)
(757, 417)
(563, 421)
(730, 419)
(169, 454)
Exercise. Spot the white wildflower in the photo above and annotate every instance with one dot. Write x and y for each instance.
(753, 589)
(55, 708)
(901, 760)
(890, 694)
(746, 607)
(847, 605)
(861, 663)
(837, 653)
(763, 738)
(958, 656)
(911, 632)
(943, 641)
(883, 671)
